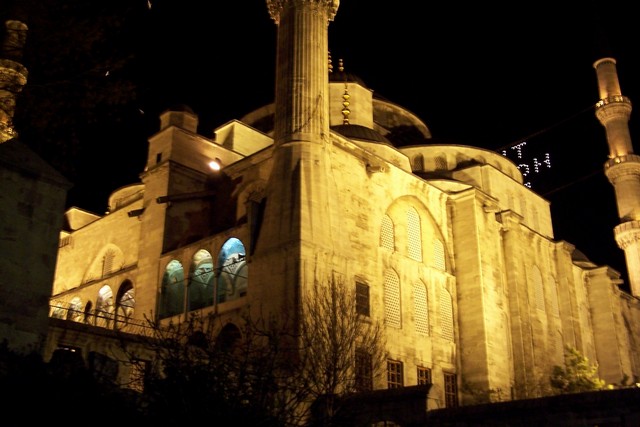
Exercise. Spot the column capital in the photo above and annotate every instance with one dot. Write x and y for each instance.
(329, 7)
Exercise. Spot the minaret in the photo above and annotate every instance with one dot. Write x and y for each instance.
(13, 75)
(298, 191)
(623, 167)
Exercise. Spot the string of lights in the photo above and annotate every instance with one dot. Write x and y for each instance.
(543, 161)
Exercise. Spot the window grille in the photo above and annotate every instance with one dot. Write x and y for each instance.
(446, 315)
(392, 300)
(450, 390)
(418, 163)
(424, 375)
(107, 263)
(387, 236)
(421, 308)
(414, 235)
(394, 374)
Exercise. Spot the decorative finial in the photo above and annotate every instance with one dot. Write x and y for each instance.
(345, 104)
(330, 63)
(341, 65)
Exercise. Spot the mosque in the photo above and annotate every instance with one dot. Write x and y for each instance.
(442, 244)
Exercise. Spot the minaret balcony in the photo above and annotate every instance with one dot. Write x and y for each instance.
(613, 108)
(621, 166)
(615, 99)
(630, 160)
(627, 234)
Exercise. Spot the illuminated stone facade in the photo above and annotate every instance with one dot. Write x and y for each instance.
(458, 254)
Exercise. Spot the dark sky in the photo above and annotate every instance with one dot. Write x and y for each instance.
(478, 73)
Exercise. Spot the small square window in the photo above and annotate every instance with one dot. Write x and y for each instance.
(424, 375)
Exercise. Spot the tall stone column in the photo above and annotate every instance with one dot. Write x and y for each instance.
(623, 167)
(302, 67)
(298, 192)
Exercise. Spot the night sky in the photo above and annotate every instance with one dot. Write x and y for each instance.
(481, 74)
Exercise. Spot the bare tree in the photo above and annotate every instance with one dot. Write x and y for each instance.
(207, 368)
(337, 341)
(265, 370)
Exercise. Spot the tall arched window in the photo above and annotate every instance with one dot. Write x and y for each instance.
(421, 308)
(414, 235)
(446, 315)
(104, 307)
(172, 291)
(232, 271)
(75, 310)
(125, 303)
(201, 280)
(387, 236)
(108, 262)
(392, 303)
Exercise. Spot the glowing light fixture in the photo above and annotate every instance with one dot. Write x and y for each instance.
(215, 164)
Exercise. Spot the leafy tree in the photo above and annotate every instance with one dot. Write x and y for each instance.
(577, 375)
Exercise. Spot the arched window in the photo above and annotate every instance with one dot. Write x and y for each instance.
(232, 271)
(58, 312)
(201, 280)
(421, 308)
(414, 235)
(104, 307)
(387, 237)
(108, 262)
(172, 291)
(446, 315)
(125, 303)
(75, 310)
(392, 303)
